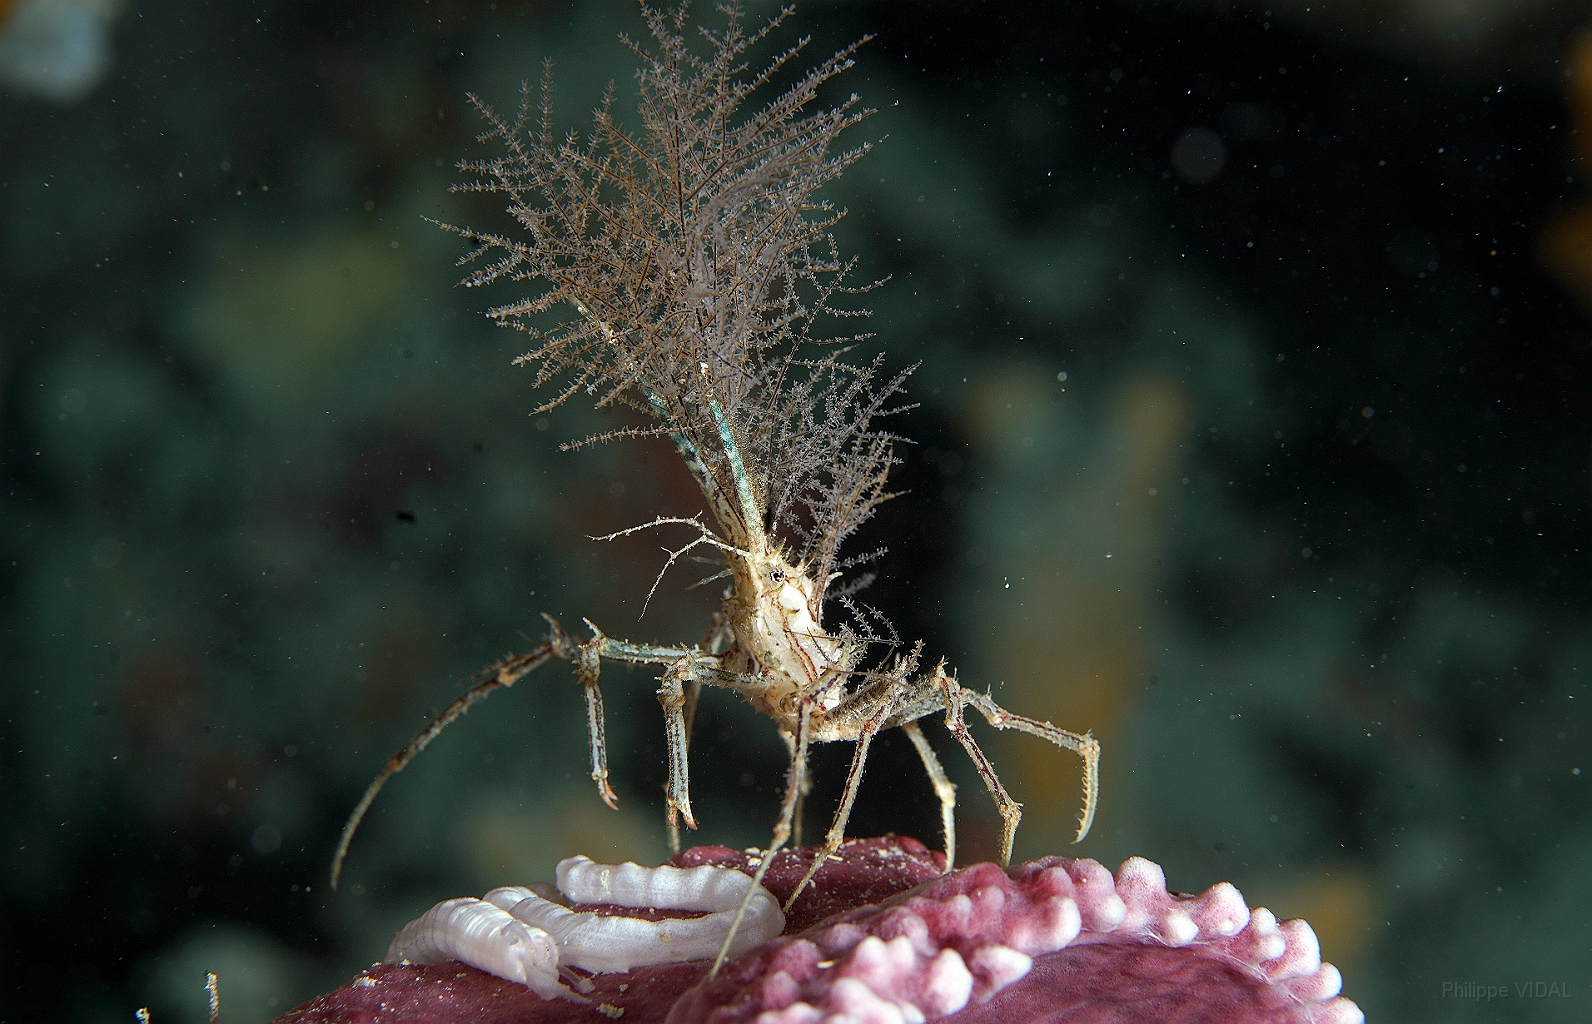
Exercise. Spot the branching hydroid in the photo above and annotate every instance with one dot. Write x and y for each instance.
(692, 267)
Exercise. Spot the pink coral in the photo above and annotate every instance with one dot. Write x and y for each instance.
(882, 936)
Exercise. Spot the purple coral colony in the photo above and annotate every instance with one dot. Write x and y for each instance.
(882, 935)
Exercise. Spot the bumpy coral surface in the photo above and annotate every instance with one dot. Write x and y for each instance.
(882, 937)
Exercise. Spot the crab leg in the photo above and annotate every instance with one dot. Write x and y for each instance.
(1010, 810)
(1084, 745)
(782, 828)
(944, 788)
(505, 673)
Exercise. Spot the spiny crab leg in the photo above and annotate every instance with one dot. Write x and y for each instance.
(587, 658)
(955, 697)
(1010, 810)
(782, 828)
(673, 696)
(588, 667)
(1082, 744)
(837, 830)
(505, 673)
(944, 788)
(890, 694)
(681, 663)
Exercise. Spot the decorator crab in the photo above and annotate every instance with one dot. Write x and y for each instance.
(684, 270)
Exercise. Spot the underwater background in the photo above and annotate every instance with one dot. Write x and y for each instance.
(1253, 433)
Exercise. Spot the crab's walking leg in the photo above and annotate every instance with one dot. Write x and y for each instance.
(1085, 746)
(673, 695)
(801, 796)
(588, 667)
(837, 829)
(782, 828)
(689, 692)
(693, 696)
(504, 673)
(588, 664)
(944, 788)
(1010, 810)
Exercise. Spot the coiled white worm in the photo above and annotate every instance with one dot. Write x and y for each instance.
(484, 936)
(605, 944)
(516, 934)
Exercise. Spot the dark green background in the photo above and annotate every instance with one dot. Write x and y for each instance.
(1302, 535)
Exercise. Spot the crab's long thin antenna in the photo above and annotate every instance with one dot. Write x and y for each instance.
(505, 673)
(708, 535)
(656, 521)
(673, 556)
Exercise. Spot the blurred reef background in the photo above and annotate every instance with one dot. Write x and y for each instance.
(1254, 434)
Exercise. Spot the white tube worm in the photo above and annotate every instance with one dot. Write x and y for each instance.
(517, 934)
(605, 944)
(484, 936)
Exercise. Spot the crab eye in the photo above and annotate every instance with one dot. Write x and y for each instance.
(776, 575)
